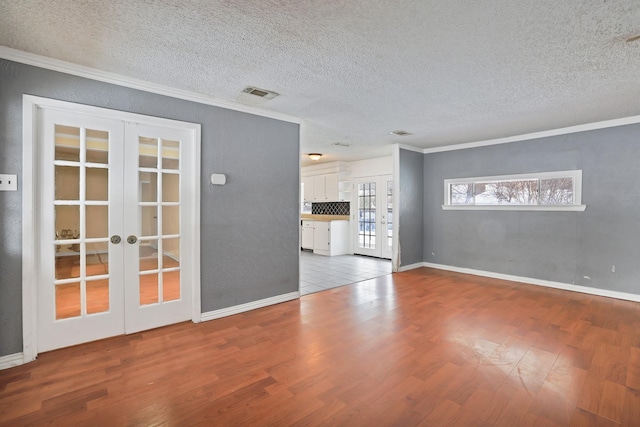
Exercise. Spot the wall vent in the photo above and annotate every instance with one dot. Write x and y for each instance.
(262, 93)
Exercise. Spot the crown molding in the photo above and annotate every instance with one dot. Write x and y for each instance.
(120, 80)
(409, 148)
(536, 135)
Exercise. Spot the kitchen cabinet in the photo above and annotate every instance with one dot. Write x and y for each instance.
(321, 237)
(319, 188)
(327, 182)
(306, 233)
(322, 188)
(331, 187)
(307, 188)
(331, 237)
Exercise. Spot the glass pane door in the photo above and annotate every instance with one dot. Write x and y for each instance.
(158, 293)
(374, 205)
(366, 243)
(110, 208)
(79, 295)
(159, 217)
(81, 212)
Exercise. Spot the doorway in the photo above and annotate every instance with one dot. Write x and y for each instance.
(116, 250)
(374, 216)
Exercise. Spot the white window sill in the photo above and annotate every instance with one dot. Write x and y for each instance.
(546, 208)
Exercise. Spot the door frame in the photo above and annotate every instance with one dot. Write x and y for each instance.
(30, 193)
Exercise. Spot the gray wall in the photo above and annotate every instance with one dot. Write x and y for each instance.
(556, 246)
(411, 207)
(249, 227)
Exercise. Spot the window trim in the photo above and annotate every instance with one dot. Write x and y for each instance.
(576, 176)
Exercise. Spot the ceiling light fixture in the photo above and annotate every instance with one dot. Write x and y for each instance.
(262, 93)
(315, 156)
(399, 133)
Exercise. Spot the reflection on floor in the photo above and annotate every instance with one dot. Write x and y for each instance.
(318, 273)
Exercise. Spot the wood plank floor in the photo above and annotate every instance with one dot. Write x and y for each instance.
(424, 347)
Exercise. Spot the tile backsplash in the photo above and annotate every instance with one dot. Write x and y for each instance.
(330, 208)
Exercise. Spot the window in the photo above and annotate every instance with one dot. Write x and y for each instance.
(549, 191)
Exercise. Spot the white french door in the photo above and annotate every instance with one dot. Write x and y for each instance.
(112, 200)
(373, 216)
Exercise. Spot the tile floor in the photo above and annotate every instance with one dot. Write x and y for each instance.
(318, 272)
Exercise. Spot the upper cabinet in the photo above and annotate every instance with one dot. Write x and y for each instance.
(331, 187)
(307, 188)
(322, 186)
(325, 188)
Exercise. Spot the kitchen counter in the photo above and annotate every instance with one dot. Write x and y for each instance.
(325, 217)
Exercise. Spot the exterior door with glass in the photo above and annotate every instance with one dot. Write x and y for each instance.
(110, 211)
(374, 220)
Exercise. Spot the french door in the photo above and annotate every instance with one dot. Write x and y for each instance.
(374, 220)
(113, 201)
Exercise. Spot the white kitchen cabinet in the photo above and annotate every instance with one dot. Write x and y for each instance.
(307, 235)
(307, 188)
(321, 237)
(325, 188)
(331, 237)
(344, 191)
(319, 189)
(331, 187)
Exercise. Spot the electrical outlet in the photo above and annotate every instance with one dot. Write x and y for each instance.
(8, 182)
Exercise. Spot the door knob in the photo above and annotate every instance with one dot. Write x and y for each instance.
(132, 239)
(115, 239)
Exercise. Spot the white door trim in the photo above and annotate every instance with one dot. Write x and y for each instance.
(30, 244)
(395, 247)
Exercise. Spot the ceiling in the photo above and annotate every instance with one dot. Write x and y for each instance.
(447, 72)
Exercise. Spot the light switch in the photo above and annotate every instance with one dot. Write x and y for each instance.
(8, 182)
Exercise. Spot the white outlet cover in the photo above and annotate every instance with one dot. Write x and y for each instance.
(8, 182)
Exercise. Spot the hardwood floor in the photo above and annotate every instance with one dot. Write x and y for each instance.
(424, 347)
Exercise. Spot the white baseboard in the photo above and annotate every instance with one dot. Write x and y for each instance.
(237, 309)
(11, 360)
(411, 266)
(538, 282)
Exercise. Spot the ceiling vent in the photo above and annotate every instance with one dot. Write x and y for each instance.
(262, 93)
(400, 133)
(341, 144)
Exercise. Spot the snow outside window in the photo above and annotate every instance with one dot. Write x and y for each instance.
(548, 191)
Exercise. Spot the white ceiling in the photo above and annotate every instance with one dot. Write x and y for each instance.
(447, 71)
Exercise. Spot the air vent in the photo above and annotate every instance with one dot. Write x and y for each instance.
(341, 144)
(400, 133)
(262, 93)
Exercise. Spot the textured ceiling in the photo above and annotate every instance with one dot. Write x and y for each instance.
(447, 71)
